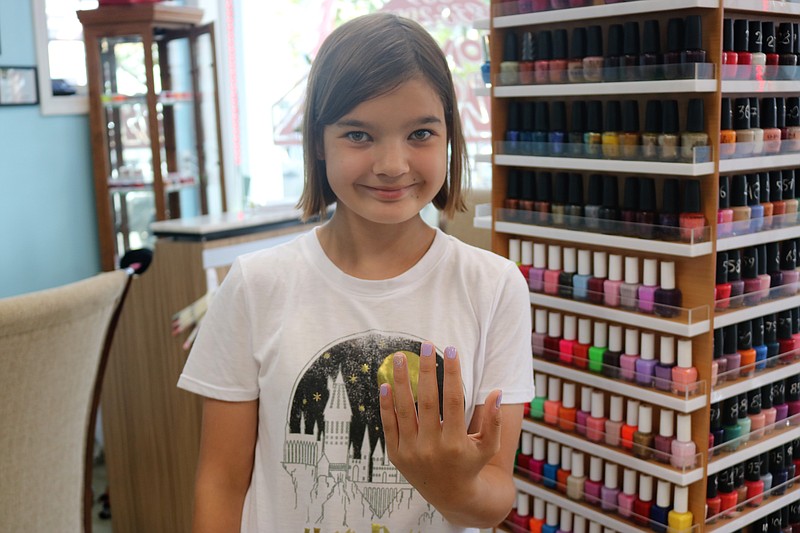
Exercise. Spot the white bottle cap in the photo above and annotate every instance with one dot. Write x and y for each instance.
(565, 524)
(584, 262)
(685, 353)
(578, 470)
(597, 404)
(667, 275)
(663, 494)
(568, 400)
(554, 257)
(594, 527)
(523, 504)
(526, 447)
(553, 452)
(615, 409)
(554, 325)
(514, 250)
(584, 331)
(540, 387)
(632, 413)
(570, 327)
(540, 321)
(569, 260)
(595, 468)
(645, 488)
(600, 334)
(650, 275)
(645, 419)
(666, 423)
(684, 433)
(578, 524)
(632, 341)
(648, 346)
(586, 399)
(681, 504)
(566, 458)
(615, 267)
(629, 482)
(554, 389)
(538, 508)
(600, 264)
(552, 514)
(539, 255)
(538, 448)
(667, 355)
(631, 269)
(614, 338)
(527, 253)
(611, 476)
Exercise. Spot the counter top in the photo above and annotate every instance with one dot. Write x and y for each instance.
(208, 227)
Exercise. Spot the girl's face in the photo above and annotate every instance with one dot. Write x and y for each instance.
(387, 158)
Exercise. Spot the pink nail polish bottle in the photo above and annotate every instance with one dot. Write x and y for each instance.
(684, 375)
(627, 361)
(566, 346)
(628, 495)
(595, 424)
(539, 332)
(536, 274)
(610, 490)
(553, 339)
(663, 441)
(647, 291)
(525, 453)
(614, 282)
(520, 516)
(526, 259)
(553, 403)
(585, 411)
(537, 461)
(614, 422)
(595, 482)
(683, 448)
(553, 269)
(566, 521)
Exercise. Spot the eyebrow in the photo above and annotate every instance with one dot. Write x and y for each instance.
(355, 123)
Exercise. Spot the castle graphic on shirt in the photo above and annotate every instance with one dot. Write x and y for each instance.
(334, 449)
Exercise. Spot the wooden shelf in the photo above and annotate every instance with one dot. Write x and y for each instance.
(606, 165)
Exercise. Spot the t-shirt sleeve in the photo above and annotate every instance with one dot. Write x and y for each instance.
(221, 363)
(508, 365)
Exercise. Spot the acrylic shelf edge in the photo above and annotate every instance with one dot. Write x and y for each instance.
(761, 237)
(757, 87)
(777, 373)
(607, 88)
(783, 8)
(606, 165)
(765, 509)
(734, 317)
(752, 450)
(759, 163)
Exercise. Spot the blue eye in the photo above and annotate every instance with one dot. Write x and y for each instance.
(357, 136)
(421, 135)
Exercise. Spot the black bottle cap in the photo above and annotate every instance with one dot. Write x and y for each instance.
(794, 509)
(780, 105)
(595, 189)
(775, 185)
(730, 412)
(764, 457)
(744, 341)
(727, 35)
(651, 42)
(630, 195)
(738, 473)
(630, 38)
(766, 396)
(778, 393)
(576, 189)
(711, 486)
(560, 44)
(544, 45)
(528, 186)
(695, 118)
(560, 193)
(510, 47)
(788, 183)
(764, 188)
(788, 255)
(691, 196)
(544, 186)
(734, 266)
(718, 336)
(578, 116)
(739, 191)
(594, 41)
(773, 257)
(558, 116)
(754, 40)
(770, 329)
(795, 37)
(630, 116)
(752, 470)
(776, 454)
(741, 114)
(741, 35)
(528, 47)
(788, 453)
(729, 337)
(715, 415)
(754, 401)
(513, 184)
(669, 116)
(755, 114)
(749, 269)
(652, 117)
(669, 198)
(724, 192)
(615, 34)
(513, 116)
(784, 332)
(725, 481)
(768, 45)
(693, 33)
(753, 190)
(769, 112)
(528, 114)
(610, 191)
(722, 273)
(594, 116)
(785, 37)
(726, 116)
(793, 111)
(577, 45)
(542, 117)
(647, 195)
(675, 37)
(758, 338)
(793, 388)
(613, 116)
(795, 321)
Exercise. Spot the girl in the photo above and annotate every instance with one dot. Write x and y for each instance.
(329, 407)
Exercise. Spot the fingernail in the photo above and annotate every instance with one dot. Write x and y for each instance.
(384, 389)
(398, 359)
(450, 352)
(498, 401)
(426, 350)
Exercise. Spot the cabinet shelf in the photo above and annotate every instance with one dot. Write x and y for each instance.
(755, 448)
(761, 378)
(742, 519)
(760, 87)
(608, 88)
(606, 165)
(783, 227)
(760, 162)
(747, 313)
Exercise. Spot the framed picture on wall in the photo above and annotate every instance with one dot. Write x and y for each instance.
(18, 86)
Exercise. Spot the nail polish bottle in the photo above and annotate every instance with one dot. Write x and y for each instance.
(553, 402)
(564, 470)
(738, 483)
(729, 56)
(576, 479)
(660, 511)
(539, 332)
(784, 48)
(789, 267)
(573, 211)
(643, 438)
(580, 281)
(695, 135)
(540, 391)
(567, 413)
(593, 62)
(580, 353)
(745, 136)
(757, 418)
(610, 490)
(594, 202)
(741, 41)
(509, 67)
(580, 524)
(739, 203)
(770, 413)
(515, 251)
(730, 424)
(668, 140)
(550, 470)
(744, 345)
(631, 424)
(526, 259)
(692, 220)
(719, 364)
(627, 361)
(630, 206)
(675, 41)
(613, 59)
(629, 138)
(713, 501)
(779, 474)
(722, 289)
(646, 214)
(769, 47)
(539, 146)
(544, 53)
(595, 424)
(752, 284)
(525, 454)
(644, 501)
(693, 41)
(793, 122)
(680, 518)
(629, 61)
(613, 353)
(771, 340)
(559, 203)
(512, 136)
(512, 189)
(724, 213)
(585, 411)
(566, 345)
(764, 279)
(577, 51)
(598, 278)
(755, 126)
(733, 359)
(792, 387)
(757, 325)
(536, 274)
(551, 520)
(758, 58)
(650, 58)
(611, 130)
(645, 365)
(599, 347)
(668, 298)
(778, 401)
(735, 278)
(789, 198)
(520, 517)
(769, 125)
(727, 495)
(527, 201)
(727, 135)
(647, 291)
(609, 213)
(593, 485)
(614, 423)
(558, 130)
(629, 290)
(788, 462)
(683, 449)
(668, 217)
(537, 521)
(557, 68)
(565, 523)
(663, 370)
(717, 433)
(612, 285)
(652, 129)
(627, 497)
(795, 331)
(553, 271)
(663, 441)
(538, 459)
(527, 65)
(565, 277)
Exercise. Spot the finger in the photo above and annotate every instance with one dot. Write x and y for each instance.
(428, 391)
(452, 396)
(490, 431)
(388, 418)
(403, 399)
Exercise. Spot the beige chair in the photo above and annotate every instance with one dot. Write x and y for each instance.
(53, 349)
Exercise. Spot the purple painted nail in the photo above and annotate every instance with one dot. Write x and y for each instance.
(426, 350)
(398, 359)
(499, 400)
(384, 389)
(450, 352)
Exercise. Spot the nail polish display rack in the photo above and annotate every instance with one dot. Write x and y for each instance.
(695, 261)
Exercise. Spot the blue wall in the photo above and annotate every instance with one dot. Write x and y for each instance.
(48, 233)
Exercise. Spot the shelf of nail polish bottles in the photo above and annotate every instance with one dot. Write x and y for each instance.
(744, 156)
(784, 364)
(664, 240)
(744, 233)
(742, 515)
(769, 304)
(775, 7)
(746, 447)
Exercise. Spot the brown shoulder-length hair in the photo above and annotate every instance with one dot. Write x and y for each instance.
(365, 58)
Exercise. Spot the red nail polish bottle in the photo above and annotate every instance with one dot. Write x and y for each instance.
(713, 501)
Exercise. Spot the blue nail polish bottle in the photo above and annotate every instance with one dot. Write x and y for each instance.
(758, 343)
(550, 469)
(659, 513)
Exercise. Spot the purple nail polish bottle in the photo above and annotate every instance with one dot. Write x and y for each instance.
(646, 364)
(647, 291)
(610, 490)
(663, 370)
(668, 297)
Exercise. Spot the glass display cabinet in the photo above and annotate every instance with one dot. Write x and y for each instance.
(154, 116)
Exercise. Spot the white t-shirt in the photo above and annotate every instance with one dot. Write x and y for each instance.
(313, 344)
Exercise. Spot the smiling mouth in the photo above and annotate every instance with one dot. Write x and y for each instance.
(390, 193)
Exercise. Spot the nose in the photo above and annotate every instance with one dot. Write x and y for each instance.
(391, 159)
